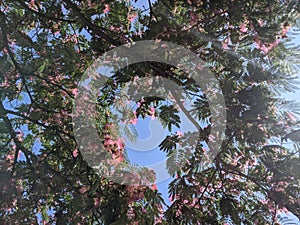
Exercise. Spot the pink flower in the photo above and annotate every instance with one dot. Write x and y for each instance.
(75, 153)
(120, 143)
(107, 8)
(133, 121)
(154, 187)
(225, 44)
(96, 202)
(132, 17)
(119, 158)
(152, 113)
(10, 157)
(32, 5)
(260, 22)
(108, 142)
(179, 134)
(243, 28)
(75, 91)
(264, 49)
(83, 189)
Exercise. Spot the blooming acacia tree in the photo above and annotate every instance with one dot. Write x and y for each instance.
(46, 46)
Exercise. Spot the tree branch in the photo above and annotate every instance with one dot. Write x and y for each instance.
(11, 54)
(254, 180)
(22, 3)
(3, 115)
(95, 28)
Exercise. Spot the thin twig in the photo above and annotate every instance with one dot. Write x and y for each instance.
(22, 3)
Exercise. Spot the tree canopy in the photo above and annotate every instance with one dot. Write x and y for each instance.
(46, 48)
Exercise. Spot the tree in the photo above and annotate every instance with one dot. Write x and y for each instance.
(46, 46)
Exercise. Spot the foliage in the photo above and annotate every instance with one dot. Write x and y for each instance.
(47, 45)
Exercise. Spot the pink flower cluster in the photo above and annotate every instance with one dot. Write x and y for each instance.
(114, 146)
(107, 8)
(265, 48)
